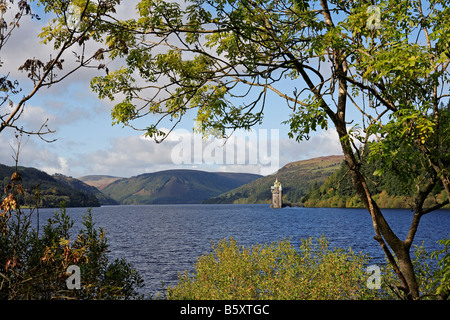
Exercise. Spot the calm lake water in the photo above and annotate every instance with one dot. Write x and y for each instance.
(163, 240)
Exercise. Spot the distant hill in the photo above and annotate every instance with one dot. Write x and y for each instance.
(51, 191)
(174, 186)
(296, 178)
(84, 187)
(98, 181)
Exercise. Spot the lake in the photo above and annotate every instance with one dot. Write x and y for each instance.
(163, 240)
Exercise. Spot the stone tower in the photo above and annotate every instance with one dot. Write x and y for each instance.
(276, 195)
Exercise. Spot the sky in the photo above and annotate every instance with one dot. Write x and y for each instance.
(86, 142)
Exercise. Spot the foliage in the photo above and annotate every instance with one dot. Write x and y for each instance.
(277, 271)
(34, 261)
(443, 278)
(72, 24)
(312, 272)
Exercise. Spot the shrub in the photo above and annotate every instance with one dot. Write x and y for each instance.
(33, 264)
(276, 271)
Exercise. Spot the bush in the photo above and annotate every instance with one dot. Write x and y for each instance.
(441, 275)
(34, 264)
(276, 271)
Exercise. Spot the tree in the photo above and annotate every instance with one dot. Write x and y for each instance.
(72, 25)
(388, 62)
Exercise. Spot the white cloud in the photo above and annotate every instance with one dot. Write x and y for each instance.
(34, 117)
(61, 165)
(321, 144)
(127, 156)
(32, 153)
(133, 155)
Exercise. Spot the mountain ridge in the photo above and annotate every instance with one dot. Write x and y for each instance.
(44, 190)
(174, 186)
(296, 179)
(187, 186)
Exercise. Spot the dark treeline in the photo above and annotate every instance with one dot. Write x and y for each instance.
(43, 190)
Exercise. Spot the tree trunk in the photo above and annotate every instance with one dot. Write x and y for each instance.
(407, 270)
(383, 232)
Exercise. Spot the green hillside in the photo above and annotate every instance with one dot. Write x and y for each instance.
(295, 177)
(84, 187)
(51, 191)
(174, 186)
(389, 191)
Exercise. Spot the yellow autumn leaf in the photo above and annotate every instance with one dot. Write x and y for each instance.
(63, 242)
(9, 204)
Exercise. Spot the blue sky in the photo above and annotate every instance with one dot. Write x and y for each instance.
(87, 143)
